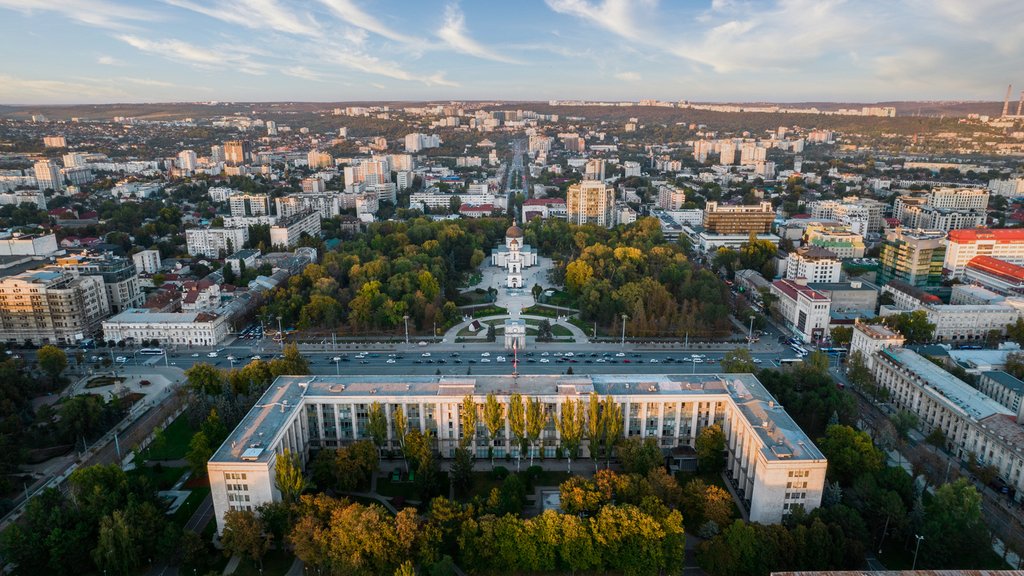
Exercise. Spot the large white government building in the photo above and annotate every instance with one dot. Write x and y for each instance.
(773, 465)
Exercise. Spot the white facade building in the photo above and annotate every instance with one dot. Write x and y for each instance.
(212, 242)
(803, 309)
(287, 231)
(813, 264)
(249, 205)
(185, 329)
(1005, 244)
(773, 465)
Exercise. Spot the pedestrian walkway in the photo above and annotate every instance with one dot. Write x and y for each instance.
(232, 565)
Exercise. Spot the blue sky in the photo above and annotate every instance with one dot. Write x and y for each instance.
(89, 51)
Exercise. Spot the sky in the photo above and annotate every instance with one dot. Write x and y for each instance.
(99, 51)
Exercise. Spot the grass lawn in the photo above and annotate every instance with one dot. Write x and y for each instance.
(538, 310)
(184, 513)
(175, 443)
(103, 381)
(408, 490)
(275, 563)
(558, 330)
(560, 298)
(489, 311)
(550, 478)
(473, 297)
(163, 479)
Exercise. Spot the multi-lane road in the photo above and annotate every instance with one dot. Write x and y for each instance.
(477, 359)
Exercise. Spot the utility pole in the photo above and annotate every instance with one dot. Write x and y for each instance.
(916, 548)
(624, 318)
(406, 318)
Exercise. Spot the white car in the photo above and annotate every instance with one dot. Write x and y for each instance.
(569, 354)
(544, 354)
(336, 359)
(499, 359)
(425, 355)
(391, 360)
(653, 360)
(195, 354)
(620, 354)
(211, 355)
(255, 358)
(121, 359)
(485, 360)
(601, 360)
(544, 360)
(485, 354)
(757, 360)
(697, 360)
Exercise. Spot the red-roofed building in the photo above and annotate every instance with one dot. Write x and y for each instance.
(803, 309)
(996, 275)
(543, 208)
(472, 211)
(1006, 244)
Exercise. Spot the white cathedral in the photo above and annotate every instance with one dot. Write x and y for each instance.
(514, 256)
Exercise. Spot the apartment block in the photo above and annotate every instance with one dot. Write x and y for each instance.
(287, 231)
(739, 219)
(591, 202)
(1005, 244)
(51, 306)
(215, 242)
(913, 256)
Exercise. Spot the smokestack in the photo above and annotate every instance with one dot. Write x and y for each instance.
(1020, 104)
(1006, 101)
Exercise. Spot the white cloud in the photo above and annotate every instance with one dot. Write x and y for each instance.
(454, 34)
(109, 61)
(98, 13)
(208, 58)
(255, 14)
(350, 12)
(372, 65)
(628, 76)
(616, 16)
(303, 73)
(16, 90)
(147, 82)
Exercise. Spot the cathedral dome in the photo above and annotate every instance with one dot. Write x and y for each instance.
(514, 232)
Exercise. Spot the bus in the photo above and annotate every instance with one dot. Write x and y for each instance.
(151, 351)
(834, 351)
(790, 361)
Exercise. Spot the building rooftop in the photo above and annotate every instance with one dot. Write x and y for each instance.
(997, 268)
(1009, 381)
(781, 437)
(952, 390)
(858, 285)
(878, 331)
(148, 316)
(975, 234)
(793, 289)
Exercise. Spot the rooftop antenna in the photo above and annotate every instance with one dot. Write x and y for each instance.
(1006, 101)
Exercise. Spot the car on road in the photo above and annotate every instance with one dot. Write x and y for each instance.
(652, 360)
(757, 360)
(697, 360)
(195, 354)
(364, 361)
(499, 359)
(425, 354)
(391, 360)
(544, 360)
(255, 358)
(569, 354)
(211, 355)
(620, 354)
(485, 354)
(544, 354)
(121, 359)
(485, 360)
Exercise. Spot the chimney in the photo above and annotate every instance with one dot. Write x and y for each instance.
(1006, 102)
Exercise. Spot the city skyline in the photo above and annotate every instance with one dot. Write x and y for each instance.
(99, 51)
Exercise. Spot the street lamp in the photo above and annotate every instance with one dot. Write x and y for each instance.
(916, 548)
(280, 332)
(406, 318)
(750, 333)
(624, 318)
(337, 364)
